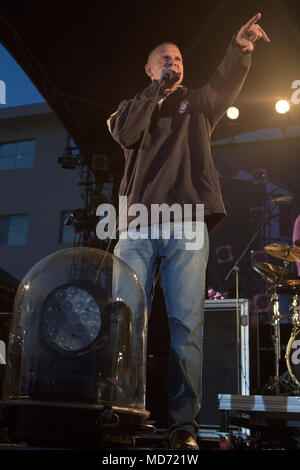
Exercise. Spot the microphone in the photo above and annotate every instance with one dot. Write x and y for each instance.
(282, 199)
(170, 76)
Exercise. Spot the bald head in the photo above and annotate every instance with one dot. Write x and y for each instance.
(164, 56)
(153, 52)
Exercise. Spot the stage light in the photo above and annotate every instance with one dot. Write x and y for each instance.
(68, 160)
(71, 318)
(232, 112)
(259, 176)
(77, 354)
(282, 106)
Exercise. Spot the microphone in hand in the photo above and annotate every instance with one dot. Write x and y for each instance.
(168, 78)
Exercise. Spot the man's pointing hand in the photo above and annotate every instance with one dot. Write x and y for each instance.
(250, 33)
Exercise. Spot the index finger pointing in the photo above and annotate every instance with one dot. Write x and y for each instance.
(253, 20)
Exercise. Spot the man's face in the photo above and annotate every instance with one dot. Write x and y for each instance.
(166, 56)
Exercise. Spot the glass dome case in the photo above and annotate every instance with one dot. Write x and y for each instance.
(78, 333)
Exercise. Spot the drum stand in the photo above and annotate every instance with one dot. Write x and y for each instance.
(284, 382)
(276, 381)
(294, 309)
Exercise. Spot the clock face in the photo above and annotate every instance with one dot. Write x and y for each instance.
(72, 318)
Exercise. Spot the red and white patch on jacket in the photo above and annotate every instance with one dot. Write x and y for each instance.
(183, 106)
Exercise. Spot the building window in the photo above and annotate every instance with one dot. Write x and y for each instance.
(66, 228)
(15, 155)
(13, 230)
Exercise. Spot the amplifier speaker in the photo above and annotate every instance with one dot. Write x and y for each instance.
(226, 356)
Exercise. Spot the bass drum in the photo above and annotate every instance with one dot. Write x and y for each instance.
(293, 356)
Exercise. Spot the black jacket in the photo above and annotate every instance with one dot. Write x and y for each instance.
(175, 164)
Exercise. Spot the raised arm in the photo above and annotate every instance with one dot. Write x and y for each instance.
(227, 81)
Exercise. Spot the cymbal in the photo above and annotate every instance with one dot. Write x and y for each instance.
(277, 274)
(284, 252)
(297, 243)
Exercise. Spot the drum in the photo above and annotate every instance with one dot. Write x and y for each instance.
(293, 356)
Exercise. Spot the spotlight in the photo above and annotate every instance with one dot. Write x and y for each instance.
(259, 176)
(232, 112)
(67, 162)
(71, 318)
(75, 366)
(282, 106)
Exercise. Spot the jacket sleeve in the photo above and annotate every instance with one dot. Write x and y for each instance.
(226, 83)
(128, 123)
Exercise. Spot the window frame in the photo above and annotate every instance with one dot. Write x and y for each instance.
(10, 232)
(14, 157)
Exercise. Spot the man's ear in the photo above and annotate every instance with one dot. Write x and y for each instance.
(148, 70)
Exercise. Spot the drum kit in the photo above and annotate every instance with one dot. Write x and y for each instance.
(280, 280)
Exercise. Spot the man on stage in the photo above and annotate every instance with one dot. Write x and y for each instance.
(165, 134)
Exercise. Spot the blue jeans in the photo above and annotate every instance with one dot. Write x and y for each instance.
(182, 274)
